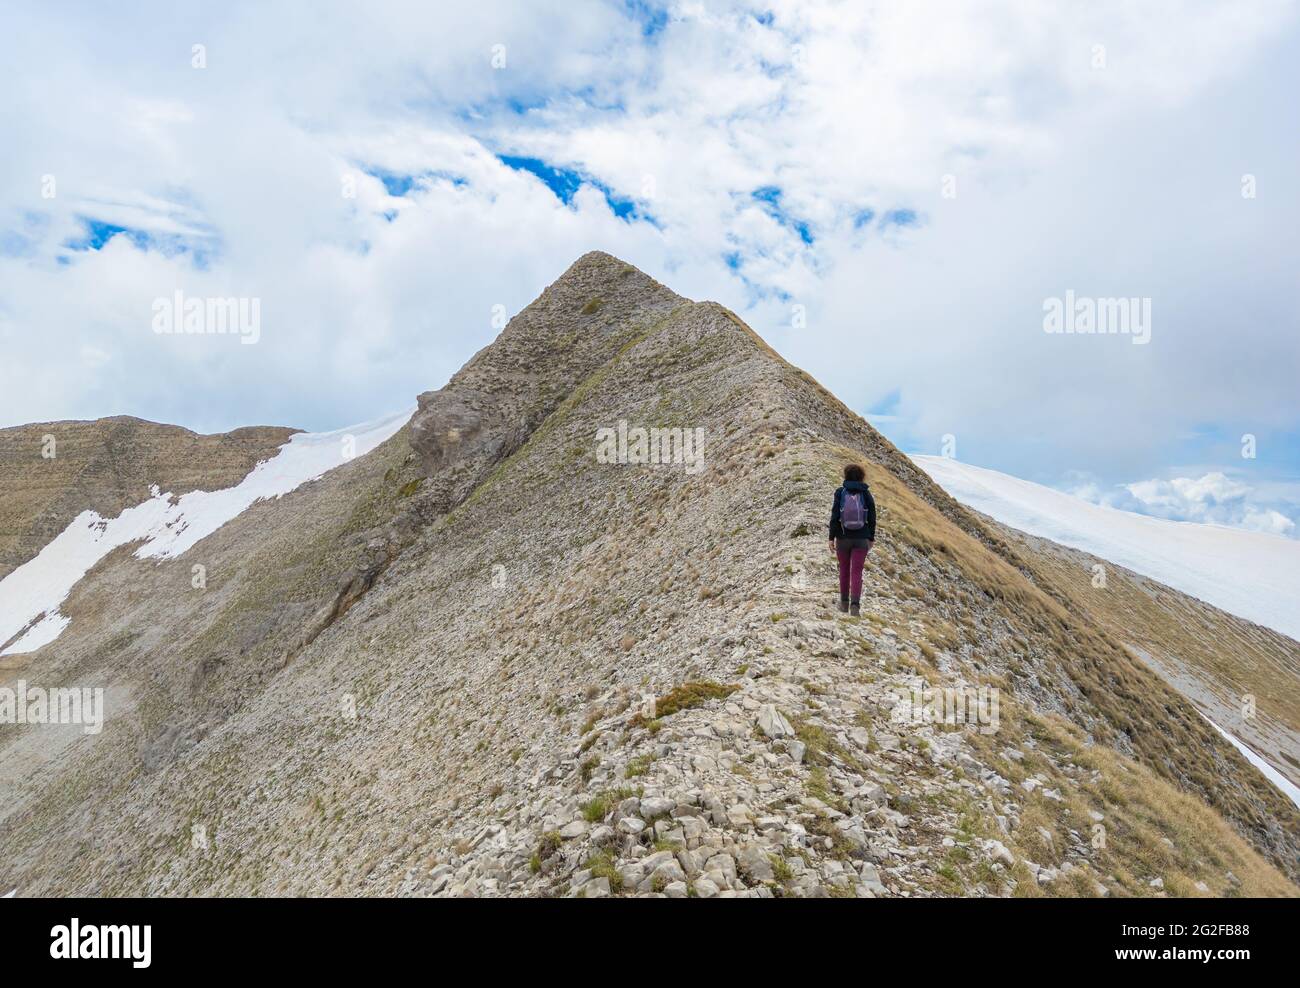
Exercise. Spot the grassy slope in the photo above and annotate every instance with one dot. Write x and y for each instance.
(1229, 657)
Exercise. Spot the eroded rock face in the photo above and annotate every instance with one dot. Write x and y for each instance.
(493, 404)
(445, 427)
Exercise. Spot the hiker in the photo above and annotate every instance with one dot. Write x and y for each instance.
(853, 533)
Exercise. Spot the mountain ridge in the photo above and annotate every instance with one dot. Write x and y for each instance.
(617, 686)
(55, 470)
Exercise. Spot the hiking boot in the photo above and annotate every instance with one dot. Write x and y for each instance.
(854, 610)
(844, 605)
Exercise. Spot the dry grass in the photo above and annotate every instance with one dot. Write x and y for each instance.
(1245, 658)
(690, 695)
(1152, 830)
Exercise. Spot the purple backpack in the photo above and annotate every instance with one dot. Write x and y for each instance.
(853, 512)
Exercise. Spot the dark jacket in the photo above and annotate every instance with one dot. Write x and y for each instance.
(859, 536)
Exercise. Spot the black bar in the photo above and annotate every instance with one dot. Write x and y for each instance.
(231, 936)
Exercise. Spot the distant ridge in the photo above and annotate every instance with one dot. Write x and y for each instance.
(1251, 574)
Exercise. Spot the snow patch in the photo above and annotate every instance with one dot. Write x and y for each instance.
(167, 526)
(1251, 574)
(1288, 788)
(44, 631)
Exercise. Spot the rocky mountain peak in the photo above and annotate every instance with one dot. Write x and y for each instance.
(490, 407)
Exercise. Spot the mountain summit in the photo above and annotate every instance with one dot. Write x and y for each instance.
(494, 656)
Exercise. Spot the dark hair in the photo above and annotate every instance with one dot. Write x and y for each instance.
(854, 472)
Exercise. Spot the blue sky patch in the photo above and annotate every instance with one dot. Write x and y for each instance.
(394, 184)
(770, 197)
(523, 106)
(97, 233)
(400, 184)
(755, 292)
(652, 18)
(565, 182)
(900, 217)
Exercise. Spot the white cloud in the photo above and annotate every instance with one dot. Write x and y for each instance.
(1114, 180)
(1212, 498)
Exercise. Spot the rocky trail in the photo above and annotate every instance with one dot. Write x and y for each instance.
(790, 770)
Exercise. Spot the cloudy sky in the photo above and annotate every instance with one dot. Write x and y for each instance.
(888, 192)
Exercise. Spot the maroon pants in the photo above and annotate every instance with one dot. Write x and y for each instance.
(851, 561)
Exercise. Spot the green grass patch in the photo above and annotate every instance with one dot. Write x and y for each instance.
(638, 766)
(601, 865)
(692, 695)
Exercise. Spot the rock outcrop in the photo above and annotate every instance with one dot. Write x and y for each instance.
(493, 404)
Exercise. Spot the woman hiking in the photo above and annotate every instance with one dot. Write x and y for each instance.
(853, 533)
